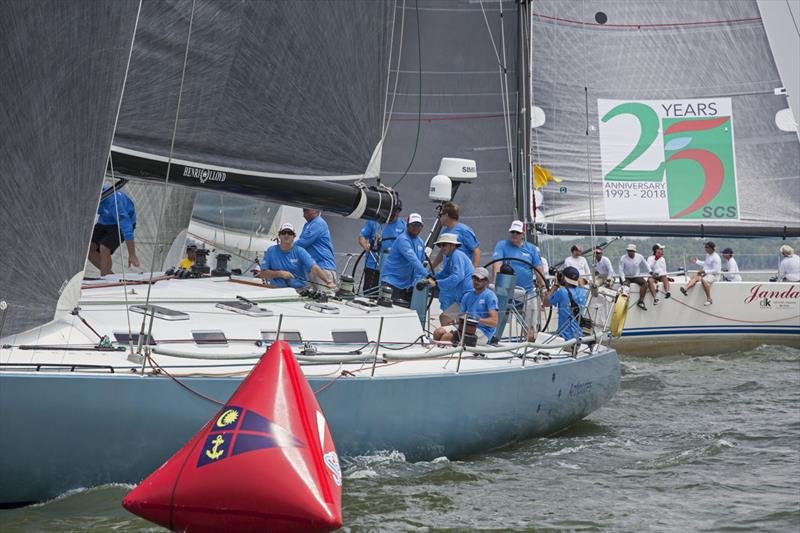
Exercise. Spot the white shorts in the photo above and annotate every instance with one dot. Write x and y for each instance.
(709, 278)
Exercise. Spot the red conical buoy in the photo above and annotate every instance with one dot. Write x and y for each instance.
(265, 462)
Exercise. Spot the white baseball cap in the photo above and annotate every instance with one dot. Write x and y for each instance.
(481, 273)
(517, 225)
(631, 248)
(287, 226)
(448, 238)
(414, 218)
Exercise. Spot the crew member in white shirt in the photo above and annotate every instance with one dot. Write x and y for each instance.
(730, 270)
(789, 269)
(603, 271)
(710, 269)
(577, 261)
(632, 268)
(658, 272)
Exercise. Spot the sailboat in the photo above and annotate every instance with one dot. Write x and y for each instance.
(667, 121)
(101, 381)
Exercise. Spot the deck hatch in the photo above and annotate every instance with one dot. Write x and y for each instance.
(159, 311)
(288, 336)
(209, 337)
(350, 336)
(122, 337)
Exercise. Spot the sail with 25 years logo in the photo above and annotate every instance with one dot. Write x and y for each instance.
(265, 462)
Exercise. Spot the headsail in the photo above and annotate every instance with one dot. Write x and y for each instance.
(253, 97)
(63, 70)
(661, 120)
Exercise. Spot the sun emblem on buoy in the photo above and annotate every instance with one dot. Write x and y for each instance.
(227, 418)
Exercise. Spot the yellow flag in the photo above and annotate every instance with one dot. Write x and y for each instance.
(541, 176)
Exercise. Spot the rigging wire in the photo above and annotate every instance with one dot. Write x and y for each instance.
(419, 99)
(789, 8)
(387, 118)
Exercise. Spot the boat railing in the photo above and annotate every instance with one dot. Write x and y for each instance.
(49, 367)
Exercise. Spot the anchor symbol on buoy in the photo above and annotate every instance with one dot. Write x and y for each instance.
(215, 453)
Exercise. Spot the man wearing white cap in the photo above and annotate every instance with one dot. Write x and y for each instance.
(658, 272)
(455, 278)
(789, 268)
(287, 265)
(480, 303)
(632, 269)
(403, 265)
(516, 247)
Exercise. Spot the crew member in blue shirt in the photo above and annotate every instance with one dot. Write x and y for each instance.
(516, 247)
(376, 240)
(116, 219)
(559, 295)
(455, 278)
(404, 264)
(315, 238)
(479, 303)
(288, 265)
(469, 242)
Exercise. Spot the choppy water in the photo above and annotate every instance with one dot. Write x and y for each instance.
(687, 444)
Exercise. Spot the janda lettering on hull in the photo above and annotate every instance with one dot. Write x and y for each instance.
(773, 298)
(203, 174)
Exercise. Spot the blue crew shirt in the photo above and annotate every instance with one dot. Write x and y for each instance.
(107, 213)
(527, 252)
(466, 237)
(388, 233)
(455, 278)
(297, 261)
(316, 240)
(404, 263)
(479, 305)
(567, 323)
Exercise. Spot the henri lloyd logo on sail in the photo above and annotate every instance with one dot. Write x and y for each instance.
(668, 159)
(203, 174)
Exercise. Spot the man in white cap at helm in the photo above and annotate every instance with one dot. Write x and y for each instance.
(404, 264)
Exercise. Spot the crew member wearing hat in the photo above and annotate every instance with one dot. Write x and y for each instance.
(288, 265)
(191, 256)
(603, 271)
(633, 269)
(730, 270)
(578, 262)
(710, 268)
(404, 263)
(789, 268)
(480, 303)
(454, 279)
(376, 240)
(316, 240)
(571, 299)
(516, 247)
(658, 272)
(448, 217)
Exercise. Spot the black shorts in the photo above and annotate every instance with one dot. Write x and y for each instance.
(108, 235)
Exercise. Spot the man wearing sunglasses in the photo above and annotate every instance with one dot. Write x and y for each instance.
(481, 304)
(287, 265)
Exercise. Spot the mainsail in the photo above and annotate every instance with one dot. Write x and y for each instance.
(63, 72)
(258, 98)
(660, 119)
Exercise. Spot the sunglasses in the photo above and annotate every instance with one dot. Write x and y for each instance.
(286, 233)
(476, 278)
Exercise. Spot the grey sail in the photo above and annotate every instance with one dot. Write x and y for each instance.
(661, 120)
(459, 111)
(256, 97)
(63, 72)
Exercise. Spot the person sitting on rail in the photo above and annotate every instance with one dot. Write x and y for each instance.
(376, 240)
(603, 271)
(710, 269)
(288, 265)
(579, 263)
(455, 278)
(404, 264)
(789, 268)
(116, 223)
(632, 269)
(571, 300)
(730, 270)
(529, 260)
(480, 303)
(658, 272)
(469, 242)
(315, 238)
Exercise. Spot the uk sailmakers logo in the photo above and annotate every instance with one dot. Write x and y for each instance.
(668, 159)
(204, 175)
